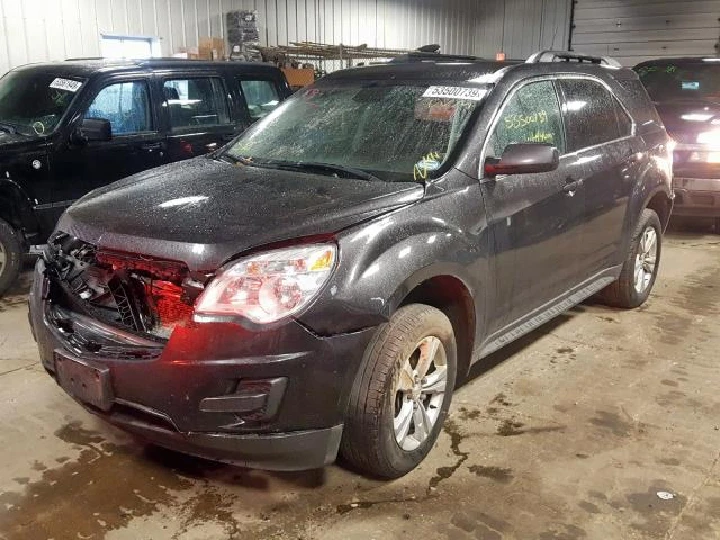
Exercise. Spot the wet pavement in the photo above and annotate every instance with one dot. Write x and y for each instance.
(602, 424)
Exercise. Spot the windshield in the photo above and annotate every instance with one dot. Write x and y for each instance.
(34, 103)
(394, 133)
(668, 81)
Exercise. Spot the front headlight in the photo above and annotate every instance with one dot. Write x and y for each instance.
(269, 286)
(711, 138)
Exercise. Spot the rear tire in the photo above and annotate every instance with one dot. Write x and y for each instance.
(640, 268)
(401, 394)
(11, 256)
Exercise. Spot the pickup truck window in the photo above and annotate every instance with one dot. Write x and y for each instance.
(261, 97)
(126, 105)
(196, 102)
(34, 103)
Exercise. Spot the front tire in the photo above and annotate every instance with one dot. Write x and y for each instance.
(11, 255)
(402, 393)
(641, 267)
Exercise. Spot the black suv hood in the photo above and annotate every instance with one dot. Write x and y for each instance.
(677, 116)
(203, 212)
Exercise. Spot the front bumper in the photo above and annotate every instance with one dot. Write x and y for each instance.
(271, 399)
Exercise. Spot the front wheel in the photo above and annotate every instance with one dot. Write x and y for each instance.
(640, 269)
(11, 254)
(402, 393)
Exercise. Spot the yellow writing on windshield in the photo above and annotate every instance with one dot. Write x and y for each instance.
(430, 161)
(517, 121)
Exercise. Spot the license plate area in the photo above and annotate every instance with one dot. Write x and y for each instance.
(84, 382)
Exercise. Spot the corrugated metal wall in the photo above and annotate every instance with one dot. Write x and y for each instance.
(521, 27)
(637, 30)
(40, 30)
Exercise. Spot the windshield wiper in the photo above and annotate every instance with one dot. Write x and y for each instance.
(229, 158)
(300, 166)
(327, 168)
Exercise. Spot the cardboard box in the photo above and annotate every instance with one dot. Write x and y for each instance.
(187, 53)
(211, 48)
(297, 78)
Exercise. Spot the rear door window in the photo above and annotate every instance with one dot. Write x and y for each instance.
(591, 115)
(532, 114)
(126, 105)
(261, 97)
(196, 102)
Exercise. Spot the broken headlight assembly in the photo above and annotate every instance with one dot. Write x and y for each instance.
(270, 286)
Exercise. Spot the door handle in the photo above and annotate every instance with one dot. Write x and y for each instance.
(150, 147)
(571, 186)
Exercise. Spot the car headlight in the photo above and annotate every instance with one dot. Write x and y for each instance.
(711, 138)
(269, 286)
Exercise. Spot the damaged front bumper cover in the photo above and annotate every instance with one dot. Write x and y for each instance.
(271, 399)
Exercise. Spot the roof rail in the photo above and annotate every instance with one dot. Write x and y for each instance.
(134, 60)
(418, 56)
(568, 56)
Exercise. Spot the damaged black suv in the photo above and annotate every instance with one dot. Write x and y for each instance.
(322, 284)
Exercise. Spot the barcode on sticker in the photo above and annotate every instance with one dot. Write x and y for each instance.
(66, 84)
(455, 92)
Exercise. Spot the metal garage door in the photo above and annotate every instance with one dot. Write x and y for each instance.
(635, 30)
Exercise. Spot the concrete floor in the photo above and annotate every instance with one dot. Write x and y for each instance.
(569, 434)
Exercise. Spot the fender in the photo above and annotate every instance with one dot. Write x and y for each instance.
(16, 208)
(653, 180)
(382, 261)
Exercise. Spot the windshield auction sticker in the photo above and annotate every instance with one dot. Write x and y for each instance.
(66, 84)
(455, 92)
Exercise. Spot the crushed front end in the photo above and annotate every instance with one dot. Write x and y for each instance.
(116, 331)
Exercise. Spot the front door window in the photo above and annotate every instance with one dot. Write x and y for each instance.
(532, 114)
(126, 105)
(261, 97)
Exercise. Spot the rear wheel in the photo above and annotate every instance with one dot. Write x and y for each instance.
(640, 269)
(11, 254)
(402, 393)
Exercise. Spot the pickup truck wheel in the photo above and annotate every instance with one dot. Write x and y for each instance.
(640, 269)
(401, 394)
(11, 254)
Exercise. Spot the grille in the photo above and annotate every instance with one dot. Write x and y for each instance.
(130, 291)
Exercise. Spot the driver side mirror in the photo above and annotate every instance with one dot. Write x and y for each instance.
(95, 130)
(524, 158)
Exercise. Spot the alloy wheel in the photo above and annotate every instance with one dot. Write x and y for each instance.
(3, 257)
(646, 259)
(420, 392)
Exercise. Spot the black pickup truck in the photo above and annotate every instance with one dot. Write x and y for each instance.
(67, 128)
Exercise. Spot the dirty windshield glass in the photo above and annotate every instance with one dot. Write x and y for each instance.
(34, 103)
(394, 133)
(670, 81)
